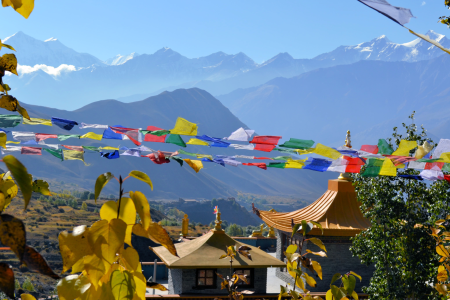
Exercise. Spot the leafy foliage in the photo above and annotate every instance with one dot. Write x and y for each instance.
(442, 236)
(398, 243)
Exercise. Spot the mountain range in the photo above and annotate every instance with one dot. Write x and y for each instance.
(170, 180)
(56, 70)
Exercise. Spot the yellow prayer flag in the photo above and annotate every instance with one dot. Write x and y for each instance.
(184, 127)
(74, 155)
(445, 157)
(427, 38)
(197, 165)
(12, 142)
(3, 139)
(404, 148)
(197, 142)
(388, 168)
(108, 148)
(423, 150)
(305, 151)
(37, 121)
(205, 155)
(92, 135)
(295, 164)
(327, 151)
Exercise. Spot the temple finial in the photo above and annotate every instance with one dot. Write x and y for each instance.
(218, 222)
(348, 144)
(185, 226)
(348, 141)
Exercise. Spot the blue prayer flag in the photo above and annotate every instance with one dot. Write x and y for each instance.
(318, 164)
(63, 123)
(110, 155)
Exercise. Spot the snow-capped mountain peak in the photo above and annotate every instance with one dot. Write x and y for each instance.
(120, 59)
(52, 39)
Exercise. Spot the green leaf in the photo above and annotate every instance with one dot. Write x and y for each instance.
(100, 183)
(355, 295)
(141, 176)
(317, 224)
(306, 227)
(335, 277)
(295, 229)
(41, 186)
(354, 274)
(318, 243)
(349, 283)
(122, 285)
(337, 292)
(21, 176)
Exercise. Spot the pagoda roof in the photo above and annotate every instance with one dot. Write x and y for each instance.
(204, 252)
(337, 211)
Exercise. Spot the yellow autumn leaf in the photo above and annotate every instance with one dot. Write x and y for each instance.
(8, 188)
(318, 243)
(318, 268)
(41, 186)
(129, 259)
(291, 267)
(123, 285)
(27, 297)
(100, 183)
(159, 234)
(94, 269)
(8, 62)
(106, 238)
(72, 287)
(127, 214)
(6, 46)
(142, 177)
(142, 208)
(320, 253)
(20, 174)
(10, 103)
(300, 284)
(291, 249)
(73, 246)
(2, 202)
(23, 7)
(309, 280)
(141, 284)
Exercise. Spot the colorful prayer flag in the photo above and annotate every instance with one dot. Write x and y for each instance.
(265, 139)
(10, 120)
(259, 165)
(63, 123)
(241, 134)
(31, 151)
(197, 165)
(63, 137)
(43, 136)
(370, 148)
(110, 155)
(75, 148)
(405, 147)
(318, 164)
(84, 125)
(197, 142)
(55, 153)
(216, 210)
(74, 155)
(184, 127)
(264, 147)
(176, 139)
(154, 138)
(92, 136)
(326, 151)
(298, 144)
(37, 121)
(384, 147)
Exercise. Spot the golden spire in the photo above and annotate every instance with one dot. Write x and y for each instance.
(348, 144)
(185, 226)
(218, 227)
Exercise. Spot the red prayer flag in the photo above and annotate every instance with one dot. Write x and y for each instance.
(262, 158)
(259, 165)
(158, 159)
(398, 160)
(44, 136)
(76, 148)
(31, 151)
(264, 147)
(370, 148)
(447, 177)
(154, 138)
(265, 139)
(434, 166)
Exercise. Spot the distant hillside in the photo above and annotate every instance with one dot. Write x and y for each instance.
(230, 210)
(170, 180)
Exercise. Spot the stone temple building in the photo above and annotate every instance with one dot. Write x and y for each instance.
(340, 216)
(194, 270)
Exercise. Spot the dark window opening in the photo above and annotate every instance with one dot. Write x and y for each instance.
(249, 273)
(206, 278)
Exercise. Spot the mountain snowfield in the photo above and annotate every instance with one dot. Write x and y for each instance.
(59, 70)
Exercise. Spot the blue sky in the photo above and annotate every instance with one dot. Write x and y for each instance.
(260, 29)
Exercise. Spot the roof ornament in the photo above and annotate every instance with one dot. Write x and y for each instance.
(218, 227)
(348, 144)
(185, 226)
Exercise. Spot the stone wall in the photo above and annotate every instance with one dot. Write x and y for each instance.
(339, 260)
(182, 281)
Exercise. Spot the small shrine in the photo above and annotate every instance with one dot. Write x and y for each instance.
(337, 210)
(195, 269)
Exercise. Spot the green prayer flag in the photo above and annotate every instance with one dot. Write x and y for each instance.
(428, 160)
(176, 139)
(373, 167)
(298, 144)
(92, 148)
(279, 165)
(55, 153)
(63, 137)
(178, 160)
(384, 147)
(181, 151)
(286, 150)
(446, 168)
(160, 132)
(10, 120)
